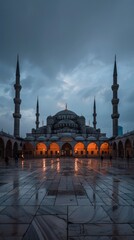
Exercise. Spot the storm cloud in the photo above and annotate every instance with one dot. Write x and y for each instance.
(66, 50)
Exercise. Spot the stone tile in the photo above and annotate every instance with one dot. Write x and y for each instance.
(47, 227)
(53, 210)
(12, 231)
(100, 230)
(96, 202)
(87, 214)
(120, 214)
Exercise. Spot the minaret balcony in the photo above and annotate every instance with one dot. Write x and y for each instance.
(115, 87)
(17, 100)
(115, 115)
(17, 87)
(115, 101)
(16, 115)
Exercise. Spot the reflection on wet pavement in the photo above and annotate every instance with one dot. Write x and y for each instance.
(72, 199)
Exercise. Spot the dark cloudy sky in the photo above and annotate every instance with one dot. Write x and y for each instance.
(66, 50)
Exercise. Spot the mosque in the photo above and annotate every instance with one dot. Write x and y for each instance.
(66, 133)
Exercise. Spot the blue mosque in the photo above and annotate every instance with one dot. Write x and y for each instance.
(66, 133)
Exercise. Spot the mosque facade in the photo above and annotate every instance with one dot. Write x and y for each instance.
(66, 133)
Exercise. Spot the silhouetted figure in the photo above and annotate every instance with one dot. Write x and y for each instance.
(6, 160)
(16, 160)
(128, 158)
(110, 157)
(102, 158)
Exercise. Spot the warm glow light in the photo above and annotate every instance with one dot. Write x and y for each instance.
(44, 164)
(22, 164)
(76, 165)
(52, 164)
(58, 166)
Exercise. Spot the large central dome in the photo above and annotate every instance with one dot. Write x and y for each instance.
(65, 114)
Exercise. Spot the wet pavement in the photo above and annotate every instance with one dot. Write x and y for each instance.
(67, 199)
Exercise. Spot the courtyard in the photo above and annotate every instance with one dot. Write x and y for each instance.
(67, 199)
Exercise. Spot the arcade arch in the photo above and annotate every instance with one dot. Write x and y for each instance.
(114, 151)
(79, 149)
(15, 149)
(54, 149)
(104, 149)
(66, 149)
(8, 151)
(28, 150)
(41, 149)
(128, 148)
(120, 150)
(92, 149)
(1, 148)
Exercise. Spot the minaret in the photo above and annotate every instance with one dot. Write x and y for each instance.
(37, 115)
(94, 114)
(17, 101)
(115, 115)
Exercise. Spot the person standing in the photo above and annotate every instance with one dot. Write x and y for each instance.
(6, 160)
(16, 160)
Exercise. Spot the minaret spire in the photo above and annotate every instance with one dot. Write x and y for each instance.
(17, 101)
(94, 114)
(17, 67)
(66, 106)
(115, 100)
(37, 114)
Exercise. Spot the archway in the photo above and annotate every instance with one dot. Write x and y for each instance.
(15, 149)
(8, 149)
(104, 149)
(1, 148)
(41, 149)
(66, 150)
(79, 149)
(114, 151)
(128, 148)
(120, 150)
(28, 150)
(54, 149)
(92, 149)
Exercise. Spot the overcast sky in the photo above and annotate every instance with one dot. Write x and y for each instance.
(66, 50)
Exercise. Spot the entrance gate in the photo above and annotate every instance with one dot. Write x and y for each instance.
(66, 150)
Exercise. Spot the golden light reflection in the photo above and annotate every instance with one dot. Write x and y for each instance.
(89, 162)
(76, 165)
(79, 149)
(58, 165)
(44, 164)
(22, 164)
(52, 164)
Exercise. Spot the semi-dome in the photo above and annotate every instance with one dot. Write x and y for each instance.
(66, 123)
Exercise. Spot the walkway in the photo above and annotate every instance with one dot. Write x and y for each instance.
(67, 199)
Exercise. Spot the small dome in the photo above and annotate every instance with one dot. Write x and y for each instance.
(103, 138)
(41, 138)
(79, 138)
(30, 138)
(91, 138)
(54, 138)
